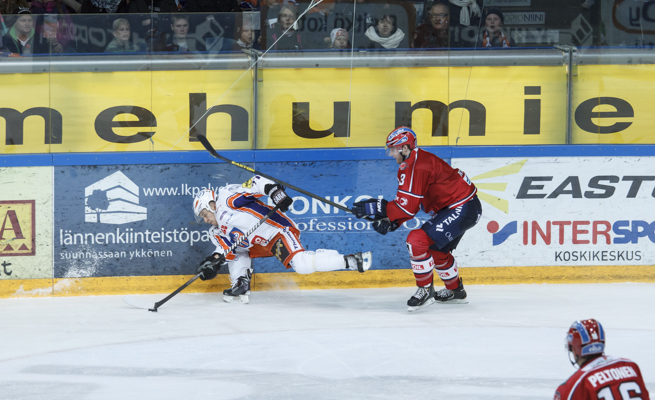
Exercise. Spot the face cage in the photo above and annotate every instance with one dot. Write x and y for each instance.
(387, 150)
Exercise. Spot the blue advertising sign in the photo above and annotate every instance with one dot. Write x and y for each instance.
(137, 220)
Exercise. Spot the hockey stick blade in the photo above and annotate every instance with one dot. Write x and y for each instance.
(138, 303)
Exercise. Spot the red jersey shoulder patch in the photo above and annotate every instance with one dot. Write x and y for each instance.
(403, 166)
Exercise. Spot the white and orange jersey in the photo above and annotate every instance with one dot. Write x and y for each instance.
(238, 209)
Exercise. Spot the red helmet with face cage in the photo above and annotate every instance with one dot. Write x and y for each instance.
(586, 338)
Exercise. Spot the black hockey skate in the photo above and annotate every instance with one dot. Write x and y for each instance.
(456, 296)
(423, 297)
(240, 290)
(359, 261)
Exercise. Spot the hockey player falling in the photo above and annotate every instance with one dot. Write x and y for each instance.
(234, 209)
(427, 182)
(598, 376)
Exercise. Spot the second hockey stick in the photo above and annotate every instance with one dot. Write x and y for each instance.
(154, 306)
(214, 154)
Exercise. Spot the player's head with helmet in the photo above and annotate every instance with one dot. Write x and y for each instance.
(585, 340)
(202, 206)
(400, 143)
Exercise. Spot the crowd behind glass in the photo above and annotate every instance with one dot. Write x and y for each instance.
(173, 26)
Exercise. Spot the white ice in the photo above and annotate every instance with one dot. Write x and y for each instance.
(507, 343)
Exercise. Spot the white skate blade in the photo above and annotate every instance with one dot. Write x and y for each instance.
(427, 303)
(243, 298)
(368, 260)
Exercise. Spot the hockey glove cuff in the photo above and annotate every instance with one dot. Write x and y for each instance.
(383, 226)
(373, 207)
(279, 197)
(208, 269)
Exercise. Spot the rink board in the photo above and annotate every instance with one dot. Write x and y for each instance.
(322, 280)
(25, 223)
(130, 229)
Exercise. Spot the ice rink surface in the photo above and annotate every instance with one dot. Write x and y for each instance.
(507, 343)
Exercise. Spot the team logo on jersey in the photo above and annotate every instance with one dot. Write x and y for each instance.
(259, 240)
(402, 201)
(236, 235)
(247, 184)
(403, 166)
(223, 230)
(280, 251)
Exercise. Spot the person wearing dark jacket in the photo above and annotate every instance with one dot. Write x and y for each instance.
(437, 33)
(282, 35)
(20, 38)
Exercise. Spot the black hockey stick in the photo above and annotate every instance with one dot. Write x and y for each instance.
(154, 306)
(214, 154)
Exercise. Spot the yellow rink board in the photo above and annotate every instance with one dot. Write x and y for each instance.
(321, 280)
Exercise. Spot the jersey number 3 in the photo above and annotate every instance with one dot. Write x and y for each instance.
(401, 180)
(625, 388)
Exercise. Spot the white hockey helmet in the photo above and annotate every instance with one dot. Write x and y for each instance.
(201, 202)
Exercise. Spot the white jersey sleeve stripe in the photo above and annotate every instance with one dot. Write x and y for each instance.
(411, 194)
(405, 211)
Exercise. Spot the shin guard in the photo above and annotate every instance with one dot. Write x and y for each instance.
(446, 267)
(423, 271)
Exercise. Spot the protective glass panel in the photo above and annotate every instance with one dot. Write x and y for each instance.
(612, 76)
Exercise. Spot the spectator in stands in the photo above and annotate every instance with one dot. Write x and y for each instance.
(493, 35)
(270, 11)
(172, 6)
(121, 42)
(339, 39)
(8, 7)
(437, 33)
(245, 35)
(384, 34)
(284, 30)
(213, 6)
(180, 41)
(115, 6)
(55, 7)
(464, 13)
(20, 38)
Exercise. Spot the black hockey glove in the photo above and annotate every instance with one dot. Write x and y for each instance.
(383, 226)
(208, 269)
(373, 207)
(279, 197)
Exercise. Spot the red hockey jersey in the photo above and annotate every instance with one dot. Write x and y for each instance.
(604, 378)
(427, 182)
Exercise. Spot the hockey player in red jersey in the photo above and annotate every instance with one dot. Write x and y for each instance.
(233, 210)
(599, 377)
(427, 183)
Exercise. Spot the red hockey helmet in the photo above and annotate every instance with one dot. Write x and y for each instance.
(399, 137)
(586, 338)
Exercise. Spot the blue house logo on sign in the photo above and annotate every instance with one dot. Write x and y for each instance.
(113, 200)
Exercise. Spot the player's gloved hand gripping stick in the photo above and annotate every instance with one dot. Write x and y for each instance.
(135, 302)
(214, 154)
